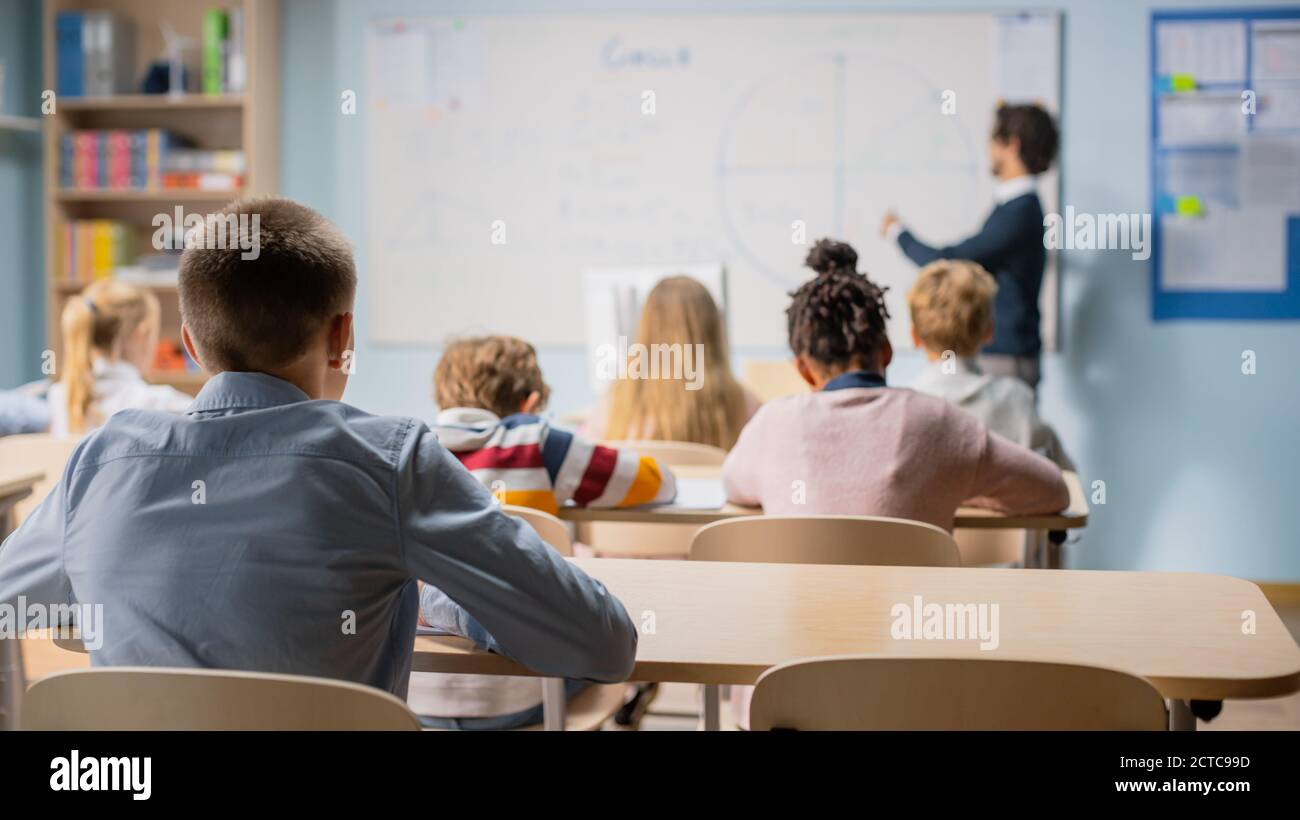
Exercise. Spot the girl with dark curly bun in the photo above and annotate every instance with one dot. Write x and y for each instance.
(855, 446)
(827, 255)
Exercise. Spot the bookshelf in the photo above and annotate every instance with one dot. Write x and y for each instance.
(248, 121)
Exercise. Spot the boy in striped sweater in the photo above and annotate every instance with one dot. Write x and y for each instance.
(488, 390)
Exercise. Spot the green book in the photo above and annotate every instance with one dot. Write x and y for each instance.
(216, 26)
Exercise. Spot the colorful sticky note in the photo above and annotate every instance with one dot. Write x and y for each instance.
(1188, 206)
(1182, 82)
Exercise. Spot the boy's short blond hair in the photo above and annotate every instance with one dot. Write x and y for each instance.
(952, 306)
(495, 373)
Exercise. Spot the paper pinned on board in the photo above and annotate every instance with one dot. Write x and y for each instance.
(1275, 50)
(1239, 250)
(1201, 119)
(1209, 51)
(1026, 65)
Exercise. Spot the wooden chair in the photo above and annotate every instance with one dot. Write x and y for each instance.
(826, 539)
(773, 379)
(38, 451)
(816, 539)
(589, 709)
(651, 540)
(551, 529)
(982, 547)
(872, 693)
(153, 699)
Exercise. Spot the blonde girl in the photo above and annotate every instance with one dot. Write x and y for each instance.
(679, 311)
(110, 332)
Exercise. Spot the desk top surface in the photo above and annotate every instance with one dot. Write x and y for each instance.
(727, 623)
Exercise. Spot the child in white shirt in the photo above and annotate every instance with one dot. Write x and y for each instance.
(110, 332)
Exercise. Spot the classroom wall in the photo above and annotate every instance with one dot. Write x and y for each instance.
(22, 296)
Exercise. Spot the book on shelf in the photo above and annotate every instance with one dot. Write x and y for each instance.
(94, 248)
(145, 159)
(94, 54)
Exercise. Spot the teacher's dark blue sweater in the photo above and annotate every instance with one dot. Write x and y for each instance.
(1009, 246)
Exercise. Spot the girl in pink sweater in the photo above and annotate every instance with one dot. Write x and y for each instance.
(856, 446)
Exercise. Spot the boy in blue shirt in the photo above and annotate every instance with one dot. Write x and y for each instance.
(274, 528)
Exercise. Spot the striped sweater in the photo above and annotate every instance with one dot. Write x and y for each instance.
(528, 463)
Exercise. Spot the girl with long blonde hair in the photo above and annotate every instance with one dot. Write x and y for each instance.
(706, 407)
(110, 332)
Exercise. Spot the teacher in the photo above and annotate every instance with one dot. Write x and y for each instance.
(1010, 245)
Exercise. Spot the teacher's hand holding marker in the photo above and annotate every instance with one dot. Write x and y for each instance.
(1010, 245)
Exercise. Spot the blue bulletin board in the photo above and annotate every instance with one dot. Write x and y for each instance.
(1225, 164)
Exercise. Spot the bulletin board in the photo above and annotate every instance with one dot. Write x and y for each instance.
(1225, 164)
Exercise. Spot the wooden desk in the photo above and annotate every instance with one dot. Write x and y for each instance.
(726, 623)
(1073, 517)
(15, 485)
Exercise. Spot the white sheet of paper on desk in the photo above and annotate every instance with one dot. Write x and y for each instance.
(1211, 52)
(700, 494)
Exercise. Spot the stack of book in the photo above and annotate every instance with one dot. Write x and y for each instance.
(94, 248)
(145, 159)
(204, 170)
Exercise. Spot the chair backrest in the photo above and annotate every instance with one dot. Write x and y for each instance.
(773, 379)
(873, 693)
(131, 698)
(980, 546)
(826, 539)
(38, 451)
(552, 530)
(674, 453)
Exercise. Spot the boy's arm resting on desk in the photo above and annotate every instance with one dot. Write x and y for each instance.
(599, 477)
(1014, 480)
(504, 587)
(31, 559)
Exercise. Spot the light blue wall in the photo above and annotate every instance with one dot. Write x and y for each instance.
(22, 296)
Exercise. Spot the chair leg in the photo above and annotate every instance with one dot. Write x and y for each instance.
(712, 708)
(554, 704)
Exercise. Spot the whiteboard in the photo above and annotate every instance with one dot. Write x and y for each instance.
(506, 155)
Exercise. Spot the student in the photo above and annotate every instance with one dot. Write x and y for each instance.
(710, 408)
(860, 447)
(951, 303)
(1010, 244)
(489, 390)
(23, 412)
(110, 332)
(274, 528)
